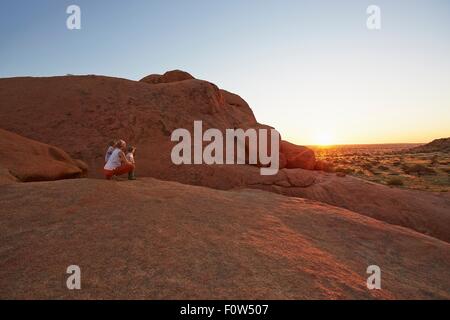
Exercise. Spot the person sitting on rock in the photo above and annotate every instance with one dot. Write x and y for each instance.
(112, 146)
(131, 151)
(117, 163)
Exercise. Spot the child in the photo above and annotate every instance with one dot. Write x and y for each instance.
(131, 151)
(112, 146)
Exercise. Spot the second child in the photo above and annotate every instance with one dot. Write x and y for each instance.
(131, 151)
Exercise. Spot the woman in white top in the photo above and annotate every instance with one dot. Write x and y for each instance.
(111, 147)
(117, 163)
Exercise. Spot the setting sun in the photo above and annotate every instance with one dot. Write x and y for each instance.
(324, 139)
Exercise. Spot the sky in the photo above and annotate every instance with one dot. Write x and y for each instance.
(312, 69)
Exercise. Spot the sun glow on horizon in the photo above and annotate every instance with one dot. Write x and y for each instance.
(324, 138)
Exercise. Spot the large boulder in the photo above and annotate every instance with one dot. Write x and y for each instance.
(298, 156)
(28, 160)
(83, 113)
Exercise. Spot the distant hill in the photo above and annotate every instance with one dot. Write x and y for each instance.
(437, 145)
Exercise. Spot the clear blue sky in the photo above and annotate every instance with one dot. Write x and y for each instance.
(310, 68)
